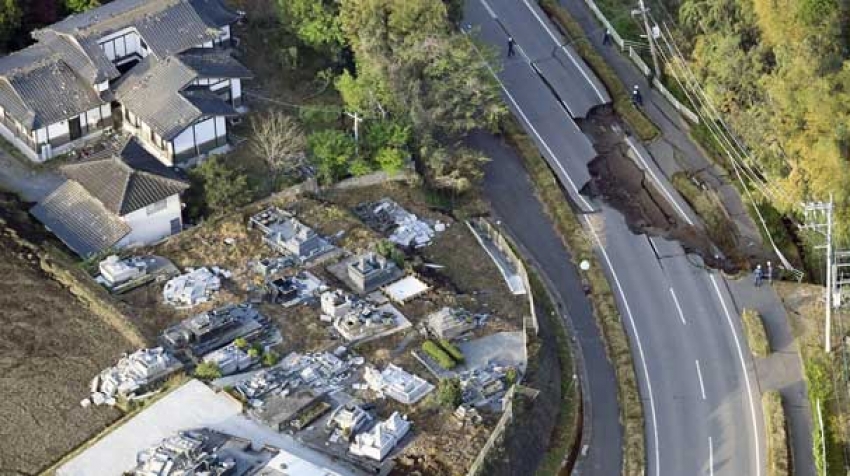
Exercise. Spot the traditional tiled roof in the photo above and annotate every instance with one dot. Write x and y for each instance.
(80, 220)
(214, 63)
(125, 178)
(156, 91)
(39, 89)
(214, 12)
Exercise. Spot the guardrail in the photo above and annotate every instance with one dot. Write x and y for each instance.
(689, 114)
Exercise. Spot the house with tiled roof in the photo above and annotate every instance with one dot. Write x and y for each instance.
(121, 196)
(158, 69)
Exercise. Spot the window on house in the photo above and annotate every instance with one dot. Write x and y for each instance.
(156, 207)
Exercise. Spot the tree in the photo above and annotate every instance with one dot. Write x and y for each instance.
(449, 393)
(76, 6)
(331, 151)
(456, 169)
(207, 371)
(270, 358)
(10, 21)
(218, 187)
(240, 343)
(315, 22)
(390, 159)
(279, 140)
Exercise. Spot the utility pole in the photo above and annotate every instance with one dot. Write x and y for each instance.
(650, 37)
(818, 217)
(357, 120)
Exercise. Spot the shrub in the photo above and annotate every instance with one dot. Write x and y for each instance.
(452, 350)
(756, 336)
(435, 352)
(270, 358)
(217, 187)
(331, 151)
(449, 393)
(240, 343)
(511, 376)
(207, 371)
(390, 159)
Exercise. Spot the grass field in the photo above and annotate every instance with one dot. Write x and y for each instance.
(51, 345)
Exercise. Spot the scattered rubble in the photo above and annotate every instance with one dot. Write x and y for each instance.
(378, 442)
(397, 384)
(286, 235)
(211, 330)
(231, 359)
(402, 227)
(193, 288)
(321, 373)
(136, 372)
(451, 323)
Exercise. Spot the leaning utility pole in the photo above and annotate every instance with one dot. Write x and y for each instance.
(650, 37)
(819, 218)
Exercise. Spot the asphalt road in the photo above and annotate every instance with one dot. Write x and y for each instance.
(512, 197)
(701, 401)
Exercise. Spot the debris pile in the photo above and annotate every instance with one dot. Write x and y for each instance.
(320, 372)
(286, 235)
(193, 288)
(451, 323)
(136, 372)
(402, 227)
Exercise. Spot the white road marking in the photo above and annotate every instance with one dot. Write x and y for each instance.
(701, 384)
(489, 9)
(527, 121)
(710, 457)
(678, 307)
(637, 341)
(566, 50)
(746, 375)
(661, 186)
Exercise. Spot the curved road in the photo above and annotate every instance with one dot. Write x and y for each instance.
(701, 400)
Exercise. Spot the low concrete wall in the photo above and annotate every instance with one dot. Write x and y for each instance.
(496, 435)
(375, 178)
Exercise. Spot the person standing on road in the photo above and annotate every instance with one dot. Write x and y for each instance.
(758, 275)
(511, 44)
(606, 37)
(637, 99)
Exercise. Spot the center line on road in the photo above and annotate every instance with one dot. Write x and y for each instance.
(701, 384)
(678, 307)
(710, 457)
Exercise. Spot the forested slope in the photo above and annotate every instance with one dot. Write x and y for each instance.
(778, 71)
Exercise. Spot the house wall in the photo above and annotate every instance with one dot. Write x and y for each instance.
(229, 88)
(57, 135)
(200, 138)
(122, 44)
(152, 223)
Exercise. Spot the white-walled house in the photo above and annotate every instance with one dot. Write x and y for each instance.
(60, 93)
(118, 198)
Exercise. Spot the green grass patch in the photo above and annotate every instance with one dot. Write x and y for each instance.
(756, 335)
(778, 458)
(602, 298)
(634, 117)
(439, 355)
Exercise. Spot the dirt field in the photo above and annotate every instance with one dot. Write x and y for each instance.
(50, 348)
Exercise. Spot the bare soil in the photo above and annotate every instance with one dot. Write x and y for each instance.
(618, 181)
(50, 348)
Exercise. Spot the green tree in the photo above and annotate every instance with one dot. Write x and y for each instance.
(76, 6)
(270, 358)
(240, 343)
(390, 159)
(315, 22)
(449, 393)
(331, 152)
(254, 352)
(218, 187)
(207, 371)
(10, 21)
